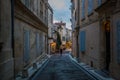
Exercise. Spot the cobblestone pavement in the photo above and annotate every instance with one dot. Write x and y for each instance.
(61, 68)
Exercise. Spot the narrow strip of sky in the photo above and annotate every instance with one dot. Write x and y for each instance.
(62, 11)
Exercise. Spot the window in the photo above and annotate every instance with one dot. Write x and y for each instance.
(90, 6)
(83, 9)
(46, 15)
(37, 44)
(37, 6)
(44, 43)
(82, 41)
(40, 41)
(41, 10)
(26, 46)
(118, 41)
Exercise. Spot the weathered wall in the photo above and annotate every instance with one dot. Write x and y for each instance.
(20, 28)
(38, 7)
(74, 45)
(92, 40)
(6, 56)
(115, 66)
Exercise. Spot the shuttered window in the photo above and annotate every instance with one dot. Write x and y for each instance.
(37, 44)
(90, 6)
(82, 41)
(41, 42)
(83, 9)
(118, 41)
(26, 46)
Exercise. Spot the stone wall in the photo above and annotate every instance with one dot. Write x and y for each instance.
(30, 37)
(115, 65)
(6, 55)
(38, 7)
(92, 49)
(20, 28)
(74, 53)
(12, 62)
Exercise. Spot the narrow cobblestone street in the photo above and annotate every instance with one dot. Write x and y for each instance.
(61, 68)
(59, 39)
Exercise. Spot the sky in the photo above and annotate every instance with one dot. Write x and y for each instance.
(61, 9)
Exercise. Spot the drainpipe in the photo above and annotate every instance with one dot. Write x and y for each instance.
(12, 34)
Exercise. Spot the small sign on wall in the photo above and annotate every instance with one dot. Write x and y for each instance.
(118, 41)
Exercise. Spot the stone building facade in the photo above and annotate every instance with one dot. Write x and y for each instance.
(73, 21)
(89, 31)
(109, 15)
(30, 21)
(6, 44)
(68, 34)
(99, 34)
(23, 36)
(50, 26)
(115, 38)
(61, 28)
(91, 48)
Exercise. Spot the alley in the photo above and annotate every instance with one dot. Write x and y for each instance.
(61, 68)
(87, 32)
